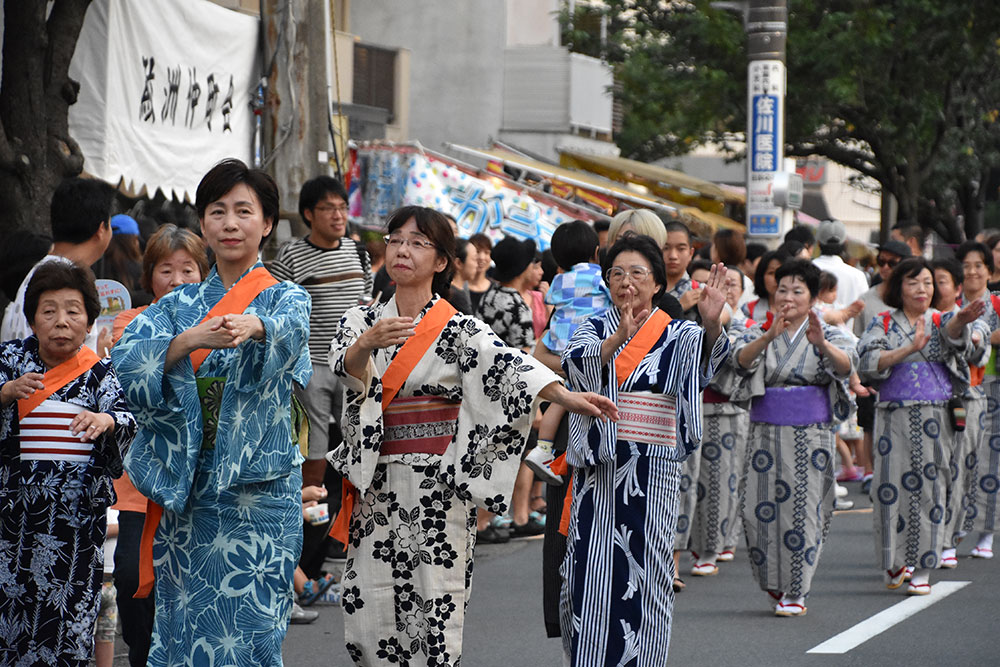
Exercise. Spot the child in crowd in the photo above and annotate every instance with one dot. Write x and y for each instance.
(577, 293)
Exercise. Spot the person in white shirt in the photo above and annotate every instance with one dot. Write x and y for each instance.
(80, 213)
(851, 282)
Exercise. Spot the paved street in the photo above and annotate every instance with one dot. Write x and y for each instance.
(723, 620)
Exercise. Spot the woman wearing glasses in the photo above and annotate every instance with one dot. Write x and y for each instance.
(920, 359)
(617, 598)
(795, 368)
(437, 411)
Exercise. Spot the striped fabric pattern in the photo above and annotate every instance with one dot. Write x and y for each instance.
(335, 278)
(647, 418)
(45, 434)
(419, 424)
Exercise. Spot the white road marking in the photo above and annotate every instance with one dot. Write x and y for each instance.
(882, 621)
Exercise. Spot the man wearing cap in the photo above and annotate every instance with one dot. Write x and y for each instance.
(851, 282)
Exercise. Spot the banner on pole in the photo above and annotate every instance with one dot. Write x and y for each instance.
(165, 90)
(765, 146)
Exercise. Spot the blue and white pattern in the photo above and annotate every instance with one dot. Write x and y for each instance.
(577, 295)
(231, 532)
(617, 600)
(787, 497)
(982, 469)
(53, 522)
(913, 441)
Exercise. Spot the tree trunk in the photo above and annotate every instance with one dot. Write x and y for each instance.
(36, 152)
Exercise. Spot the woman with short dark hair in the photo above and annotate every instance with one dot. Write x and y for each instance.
(64, 427)
(794, 367)
(617, 600)
(437, 411)
(919, 357)
(209, 370)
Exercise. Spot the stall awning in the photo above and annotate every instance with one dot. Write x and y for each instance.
(669, 183)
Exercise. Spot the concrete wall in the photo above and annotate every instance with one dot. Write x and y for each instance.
(456, 63)
(532, 22)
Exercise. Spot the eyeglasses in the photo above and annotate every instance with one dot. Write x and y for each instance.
(616, 274)
(326, 208)
(396, 242)
(884, 261)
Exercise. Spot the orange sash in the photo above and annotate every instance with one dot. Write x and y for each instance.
(235, 300)
(58, 377)
(640, 345)
(413, 350)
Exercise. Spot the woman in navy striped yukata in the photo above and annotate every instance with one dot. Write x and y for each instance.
(617, 599)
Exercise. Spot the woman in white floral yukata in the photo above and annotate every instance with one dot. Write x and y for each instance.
(437, 413)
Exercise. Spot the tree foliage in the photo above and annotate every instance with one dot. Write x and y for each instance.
(904, 91)
(36, 151)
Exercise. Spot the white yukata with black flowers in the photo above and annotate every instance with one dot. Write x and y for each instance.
(409, 562)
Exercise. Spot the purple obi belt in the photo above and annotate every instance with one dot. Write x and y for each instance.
(419, 425)
(792, 406)
(916, 381)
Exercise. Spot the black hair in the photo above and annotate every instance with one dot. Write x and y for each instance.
(952, 266)
(462, 249)
(573, 243)
(791, 248)
(78, 209)
(803, 269)
(758, 275)
(909, 230)
(437, 229)
(802, 234)
(699, 264)
(733, 267)
(832, 249)
(646, 247)
(827, 281)
(677, 226)
(908, 268)
(975, 246)
(316, 189)
(602, 225)
(549, 266)
(229, 173)
(755, 250)
(57, 275)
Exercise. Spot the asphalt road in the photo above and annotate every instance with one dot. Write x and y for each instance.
(724, 620)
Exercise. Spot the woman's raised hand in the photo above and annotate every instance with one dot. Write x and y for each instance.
(971, 312)
(713, 295)
(629, 322)
(387, 332)
(814, 331)
(920, 335)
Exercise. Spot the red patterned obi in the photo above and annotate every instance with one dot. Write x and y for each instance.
(648, 418)
(419, 425)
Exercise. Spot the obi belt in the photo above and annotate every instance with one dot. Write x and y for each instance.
(647, 418)
(419, 425)
(45, 434)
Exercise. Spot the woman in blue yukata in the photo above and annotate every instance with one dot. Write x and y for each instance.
(209, 370)
(63, 428)
(617, 600)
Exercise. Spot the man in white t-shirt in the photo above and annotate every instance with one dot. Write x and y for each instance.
(851, 282)
(81, 231)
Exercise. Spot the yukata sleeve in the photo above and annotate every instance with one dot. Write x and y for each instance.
(967, 347)
(284, 348)
(162, 458)
(749, 335)
(362, 426)
(845, 344)
(581, 360)
(870, 349)
(111, 400)
(10, 369)
(500, 387)
(716, 359)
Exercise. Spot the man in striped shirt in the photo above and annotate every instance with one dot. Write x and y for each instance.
(336, 272)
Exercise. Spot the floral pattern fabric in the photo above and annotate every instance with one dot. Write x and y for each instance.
(409, 562)
(231, 532)
(510, 317)
(53, 522)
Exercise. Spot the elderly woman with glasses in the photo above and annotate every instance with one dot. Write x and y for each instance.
(437, 412)
(617, 598)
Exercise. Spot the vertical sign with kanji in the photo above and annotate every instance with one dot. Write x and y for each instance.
(765, 154)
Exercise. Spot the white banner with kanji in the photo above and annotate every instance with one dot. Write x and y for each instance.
(165, 91)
